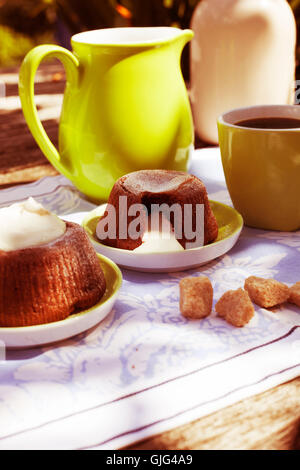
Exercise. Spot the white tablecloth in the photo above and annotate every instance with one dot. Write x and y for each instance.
(145, 368)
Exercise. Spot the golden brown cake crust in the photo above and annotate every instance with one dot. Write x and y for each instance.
(161, 187)
(47, 283)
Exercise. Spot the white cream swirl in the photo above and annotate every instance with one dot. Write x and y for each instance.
(28, 224)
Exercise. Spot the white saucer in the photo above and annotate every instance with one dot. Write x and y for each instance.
(230, 224)
(37, 335)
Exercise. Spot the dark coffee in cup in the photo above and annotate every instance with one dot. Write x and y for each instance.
(270, 123)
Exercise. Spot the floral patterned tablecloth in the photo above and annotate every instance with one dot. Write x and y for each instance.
(145, 368)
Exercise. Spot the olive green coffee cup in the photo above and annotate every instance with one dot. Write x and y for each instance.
(262, 167)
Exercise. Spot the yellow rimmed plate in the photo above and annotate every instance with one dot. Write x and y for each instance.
(37, 335)
(230, 224)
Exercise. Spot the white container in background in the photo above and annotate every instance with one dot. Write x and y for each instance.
(243, 54)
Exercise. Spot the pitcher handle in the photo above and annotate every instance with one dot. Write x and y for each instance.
(26, 91)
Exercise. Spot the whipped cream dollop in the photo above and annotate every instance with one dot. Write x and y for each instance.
(160, 239)
(28, 224)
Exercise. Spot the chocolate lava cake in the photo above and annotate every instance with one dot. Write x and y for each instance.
(47, 283)
(169, 187)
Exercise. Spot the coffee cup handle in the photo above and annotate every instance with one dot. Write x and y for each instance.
(26, 91)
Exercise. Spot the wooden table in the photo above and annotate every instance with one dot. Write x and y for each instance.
(270, 420)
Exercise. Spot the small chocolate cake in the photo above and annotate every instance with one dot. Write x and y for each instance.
(157, 187)
(47, 283)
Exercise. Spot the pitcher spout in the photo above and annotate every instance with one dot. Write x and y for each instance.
(182, 38)
(186, 35)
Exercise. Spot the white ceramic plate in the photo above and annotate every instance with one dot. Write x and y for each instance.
(37, 335)
(230, 224)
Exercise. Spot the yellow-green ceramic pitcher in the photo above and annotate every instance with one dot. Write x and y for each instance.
(125, 105)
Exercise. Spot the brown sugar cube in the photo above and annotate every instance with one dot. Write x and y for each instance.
(294, 297)
(235, 307)
(196, 297)
(266, 292)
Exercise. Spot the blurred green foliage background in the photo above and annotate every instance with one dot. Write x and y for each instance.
(26, 23)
